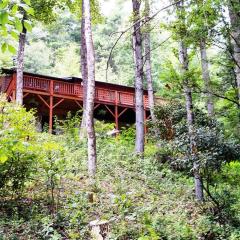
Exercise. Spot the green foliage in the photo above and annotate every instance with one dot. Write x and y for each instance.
(12, 22)
(69, 127)
(18, 153)
(53, 164)
(76, 8)
(213, 149)
(142, 199)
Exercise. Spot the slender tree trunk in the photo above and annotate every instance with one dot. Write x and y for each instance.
(20, 66)
(234, 14)
(84, 71)
(147, 43)
(92, 156)
(137, 51)
(206, 78)
(184, 61)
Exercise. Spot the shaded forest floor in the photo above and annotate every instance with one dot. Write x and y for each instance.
(141, 198)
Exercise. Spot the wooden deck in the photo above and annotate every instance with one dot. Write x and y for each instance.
(53, 92)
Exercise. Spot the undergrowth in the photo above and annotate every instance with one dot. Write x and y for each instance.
(142, 199)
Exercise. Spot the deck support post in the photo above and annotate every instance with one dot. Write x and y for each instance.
(116, 110)
(51, 114)
(116, 118)
(51, 108)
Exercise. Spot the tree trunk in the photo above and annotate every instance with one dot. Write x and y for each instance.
(84, 72)
(206, 78)
(193, 148)
(20, 66)
(184, 61)
(234, 14)
(92, 156)
(147, 41)
(137, 52)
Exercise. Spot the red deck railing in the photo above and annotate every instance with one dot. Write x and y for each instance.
(76, 90)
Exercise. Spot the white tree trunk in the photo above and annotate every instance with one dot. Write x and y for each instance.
(137, 52)
(184, 61)
(206, 78)
(234, 10)
(20, 67)
(92, 156)
(147, 41)
(84, 72)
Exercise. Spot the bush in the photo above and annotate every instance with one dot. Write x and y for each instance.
(18, 151)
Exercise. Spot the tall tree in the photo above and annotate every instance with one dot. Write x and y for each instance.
(234, 14)
(84, 71)
(203, 18)
(11, 22)
(186, 82)
(92, 155)
(147, 45)
(137, 52)
(20, 65)
(206, 77)
(44, 12)
(77, 7)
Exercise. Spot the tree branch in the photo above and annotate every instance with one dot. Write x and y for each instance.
(130, 27)
(219, 96)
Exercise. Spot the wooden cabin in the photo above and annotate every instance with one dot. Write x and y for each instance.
(52, 96)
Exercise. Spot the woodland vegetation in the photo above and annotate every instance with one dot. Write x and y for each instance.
(180, 180)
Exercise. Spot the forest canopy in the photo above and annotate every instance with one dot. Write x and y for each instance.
(120, 119)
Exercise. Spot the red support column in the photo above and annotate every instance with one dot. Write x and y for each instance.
(116, 118)
(51, 108)
(116, 111)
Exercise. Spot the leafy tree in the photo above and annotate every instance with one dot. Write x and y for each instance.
(214, 150)
(234, 9)
(148, 54)
(137, 53)
(203, 17)
(92, 155)
(182, 33)
(18, 151)
(12, 21)
(44, 12)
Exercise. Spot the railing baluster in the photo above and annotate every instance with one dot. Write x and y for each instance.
(72, 89)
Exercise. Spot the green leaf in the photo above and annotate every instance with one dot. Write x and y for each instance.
(28, 2)
(4, 18)
(18, 25)
(14, 9)
(3, 158)
(4, 47)
(27, 25)
(30, 11)
(12, 49)
(4, 4)
(14, 34)
(4, 32)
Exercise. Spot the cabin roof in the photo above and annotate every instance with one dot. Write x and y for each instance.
(72, 80)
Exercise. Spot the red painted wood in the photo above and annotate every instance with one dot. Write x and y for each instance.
(116, 118)
(105, 93)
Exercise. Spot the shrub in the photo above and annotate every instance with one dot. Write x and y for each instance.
(18, 152)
